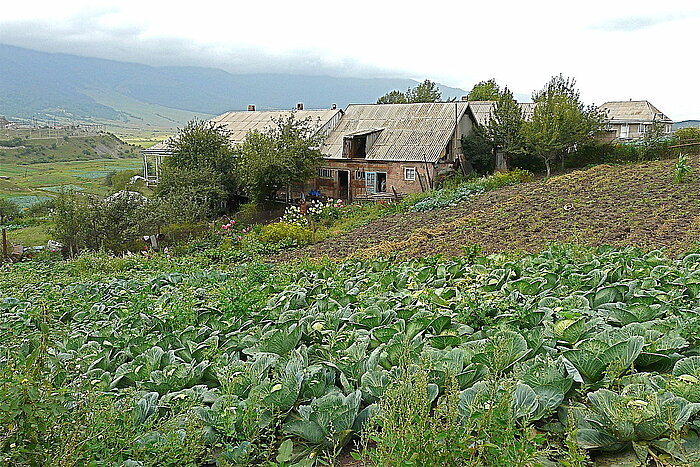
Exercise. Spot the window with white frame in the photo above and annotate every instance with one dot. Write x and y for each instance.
(359, 175)
(409, 173)
(325, 173)
(642, 128)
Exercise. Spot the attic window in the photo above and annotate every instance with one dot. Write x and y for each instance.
(355, 146)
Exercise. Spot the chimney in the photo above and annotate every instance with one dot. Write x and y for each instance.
(300, 106)
(251, 107)
(465, 98)
(333, 106)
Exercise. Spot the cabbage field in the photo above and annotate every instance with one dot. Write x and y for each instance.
(567, 357)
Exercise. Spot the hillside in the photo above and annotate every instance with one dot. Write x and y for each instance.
(67, 86)
(21, 151)
(635, 204)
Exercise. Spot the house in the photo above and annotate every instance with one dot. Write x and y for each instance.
(239, 123)
(627, 120)
(391, 149)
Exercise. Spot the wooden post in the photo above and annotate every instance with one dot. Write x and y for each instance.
(4, 244)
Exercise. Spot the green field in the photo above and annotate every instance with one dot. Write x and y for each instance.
(47, 179)
(24, 151)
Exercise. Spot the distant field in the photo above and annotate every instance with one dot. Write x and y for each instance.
(36, 182)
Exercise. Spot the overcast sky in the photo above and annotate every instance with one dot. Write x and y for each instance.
(616, 49)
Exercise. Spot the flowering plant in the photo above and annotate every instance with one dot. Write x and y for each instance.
(233, 231)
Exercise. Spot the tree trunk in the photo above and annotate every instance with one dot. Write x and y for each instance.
(549, 170)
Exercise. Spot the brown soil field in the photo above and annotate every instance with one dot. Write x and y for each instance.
(623, 205)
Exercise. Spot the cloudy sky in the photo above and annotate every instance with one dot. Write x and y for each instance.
(616, 49)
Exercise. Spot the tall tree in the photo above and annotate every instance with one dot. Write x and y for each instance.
(427, 91)
(393, 97)
(504, 129)
(485, 91)
(286, 153)
(560, 123)
(201, 171)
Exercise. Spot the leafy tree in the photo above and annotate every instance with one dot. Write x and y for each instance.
(504, 129)
(8, 210)
(687, 134)
(393, 97)
(478, 149)
(427, 91)
(560, 123)
(202, 169)
(485, 91)
(654, 142)
(284, 154)
(83, 221)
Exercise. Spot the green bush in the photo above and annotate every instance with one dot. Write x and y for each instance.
(284, 232)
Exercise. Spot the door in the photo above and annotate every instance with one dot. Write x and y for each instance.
(344, 184)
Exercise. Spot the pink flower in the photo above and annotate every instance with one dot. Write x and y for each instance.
(239, 238)
(224, 226)
(232, 222)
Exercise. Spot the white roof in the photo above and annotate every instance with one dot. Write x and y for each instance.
(633, 112)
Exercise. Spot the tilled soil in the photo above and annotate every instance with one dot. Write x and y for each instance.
(635, 204)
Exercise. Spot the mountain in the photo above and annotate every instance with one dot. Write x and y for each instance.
(44, 85)
(686, 124)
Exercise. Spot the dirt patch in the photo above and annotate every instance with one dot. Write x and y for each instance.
(635, 204)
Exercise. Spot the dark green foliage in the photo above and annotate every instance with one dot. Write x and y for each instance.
(561, 122)
(479, 151)
(8, 210)
(485, 91)
(284, 154)
(427, 91)
(201, 171)
(393, 97)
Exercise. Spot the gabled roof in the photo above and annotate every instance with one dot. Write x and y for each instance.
(482, 110)
(633, 112)
(409, 132)
(240, 123)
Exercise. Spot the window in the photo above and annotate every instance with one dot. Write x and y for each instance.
(624, 131)
(409, 173)
(375, 182)
(359, 175)
(325, 173)
(642, 128)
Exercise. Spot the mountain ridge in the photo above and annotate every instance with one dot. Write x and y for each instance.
(48, 85)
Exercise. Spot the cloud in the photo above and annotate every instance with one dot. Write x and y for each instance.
(87, 35)
(636, 23)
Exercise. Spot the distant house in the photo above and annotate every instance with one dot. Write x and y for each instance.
(239, 123)
(381, 150)
(628, 120)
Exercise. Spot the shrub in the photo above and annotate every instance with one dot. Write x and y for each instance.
(284, 232)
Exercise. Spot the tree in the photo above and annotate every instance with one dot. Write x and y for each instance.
(560, 123)
(8, 210)
(284, 154)
(201, 170)
(504, 129)
(393, 97)
(654, 143)
(485, 91)
(688, 134)
(427, 91)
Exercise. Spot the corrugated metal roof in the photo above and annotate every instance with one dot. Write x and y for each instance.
(240, 123)
(633, 111)
(410, 132)
(482, 110)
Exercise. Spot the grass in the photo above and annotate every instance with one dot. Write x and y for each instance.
(29, 236)
(46, 179)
